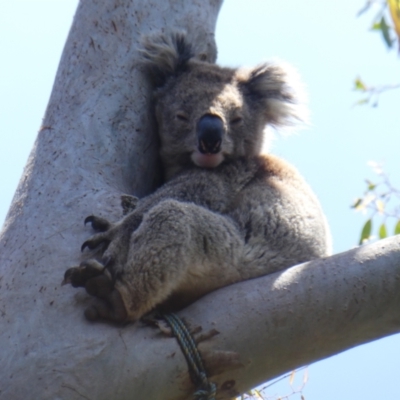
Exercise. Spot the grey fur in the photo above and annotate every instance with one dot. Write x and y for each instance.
(219, 218)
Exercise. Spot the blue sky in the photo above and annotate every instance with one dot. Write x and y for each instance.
(330, 47)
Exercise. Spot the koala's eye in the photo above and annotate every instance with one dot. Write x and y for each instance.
(236, 120)
(182, 116)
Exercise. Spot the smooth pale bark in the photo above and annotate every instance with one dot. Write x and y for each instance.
(97, 142)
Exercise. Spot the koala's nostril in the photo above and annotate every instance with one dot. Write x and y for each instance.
(210, 130)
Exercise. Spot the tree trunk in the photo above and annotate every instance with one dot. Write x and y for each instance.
(98, 142)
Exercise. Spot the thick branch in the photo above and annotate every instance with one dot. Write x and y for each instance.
(309, 312)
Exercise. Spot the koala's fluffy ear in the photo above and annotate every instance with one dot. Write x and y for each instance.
(276, 87)
(164, 55)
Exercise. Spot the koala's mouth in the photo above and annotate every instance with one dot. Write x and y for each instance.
(207, 160)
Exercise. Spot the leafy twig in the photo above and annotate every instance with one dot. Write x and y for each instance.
(260, 394)
(381, 200)
(373, 92)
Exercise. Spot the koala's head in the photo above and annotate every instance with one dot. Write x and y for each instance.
(207, 114)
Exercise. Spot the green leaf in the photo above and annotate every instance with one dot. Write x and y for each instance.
(359, 85)
(397, 228)
(361, 102)
(382, 232)
(356, 203)
(371, 186)
(385, 29)
(376, 26)
(366, 231)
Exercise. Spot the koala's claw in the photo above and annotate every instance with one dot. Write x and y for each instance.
(78, 276)
(102, 226)
(95, 241)
(98, 224)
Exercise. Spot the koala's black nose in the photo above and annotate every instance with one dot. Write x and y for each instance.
(210, 130)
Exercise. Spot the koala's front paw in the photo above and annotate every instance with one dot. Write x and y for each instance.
(99, 277)
(94, 277)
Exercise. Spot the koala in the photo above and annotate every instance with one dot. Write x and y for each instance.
(226, 212)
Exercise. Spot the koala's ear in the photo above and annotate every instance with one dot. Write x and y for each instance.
(277, 89)
(164, 55)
